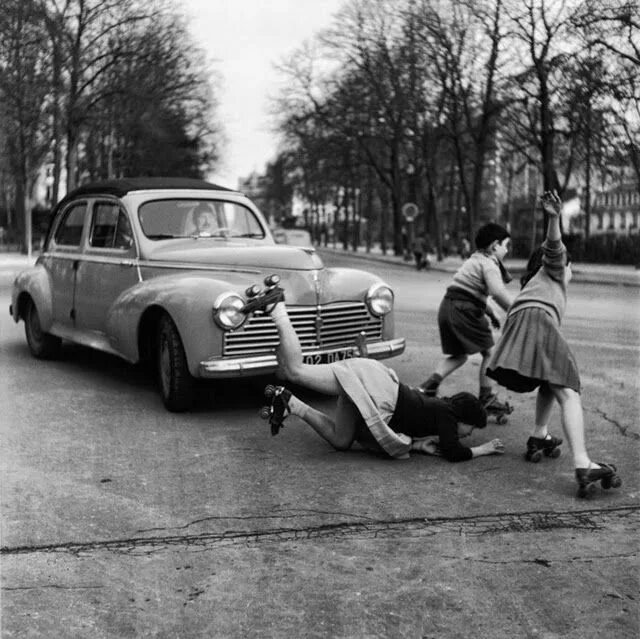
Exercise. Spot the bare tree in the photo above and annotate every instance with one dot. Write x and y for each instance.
(24, 102)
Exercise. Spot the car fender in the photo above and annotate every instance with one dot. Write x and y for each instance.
(35, 283)
(189, 302)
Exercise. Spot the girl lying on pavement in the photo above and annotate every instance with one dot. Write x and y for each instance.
(373, 407)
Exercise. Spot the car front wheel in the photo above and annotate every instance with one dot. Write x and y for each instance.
(42, 345)
(175, 380)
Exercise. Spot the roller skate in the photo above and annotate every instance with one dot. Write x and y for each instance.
(278, 408)
(431, 385)
(494, 406)
(607, 475)
(548, 446)
(263, 299)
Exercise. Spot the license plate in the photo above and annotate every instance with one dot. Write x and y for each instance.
(327, 358)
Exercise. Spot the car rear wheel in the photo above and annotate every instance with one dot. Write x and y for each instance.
(175, 380)
(42, 345)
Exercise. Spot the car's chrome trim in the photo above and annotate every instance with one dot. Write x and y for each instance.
(265, 364)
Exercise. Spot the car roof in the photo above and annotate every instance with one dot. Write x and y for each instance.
(122, 186)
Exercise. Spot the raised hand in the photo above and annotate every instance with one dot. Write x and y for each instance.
(551, 203)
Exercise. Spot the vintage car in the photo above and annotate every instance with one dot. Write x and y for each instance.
(156, 270)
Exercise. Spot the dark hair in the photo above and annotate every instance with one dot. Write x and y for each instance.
(467, 409)
(490, 233)
(535, 264)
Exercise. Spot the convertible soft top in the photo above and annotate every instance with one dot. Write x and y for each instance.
(123, 186)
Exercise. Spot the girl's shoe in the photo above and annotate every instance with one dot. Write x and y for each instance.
(278, 408)
(607, 475)
(430, 386)
(548, 446)
(264, 299)
(495, 407)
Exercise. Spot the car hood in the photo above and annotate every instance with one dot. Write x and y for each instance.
(212, 253)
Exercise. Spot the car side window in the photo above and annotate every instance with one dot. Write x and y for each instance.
(69, 232)
(110, 228)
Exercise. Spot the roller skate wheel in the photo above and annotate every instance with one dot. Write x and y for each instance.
(586, 490)
(554, 453)
(502, 419)
(605, 482)
(535, 457)
(265, 412)
(616, 481)
(269, 391)
(253, 291)
(272, 280)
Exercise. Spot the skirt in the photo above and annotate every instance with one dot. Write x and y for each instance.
(531, 351)
(464, 327)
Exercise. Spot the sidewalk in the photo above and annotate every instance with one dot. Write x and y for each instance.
(613, 274)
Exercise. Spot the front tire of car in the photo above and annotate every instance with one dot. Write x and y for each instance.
(175, 380)
(42, 345)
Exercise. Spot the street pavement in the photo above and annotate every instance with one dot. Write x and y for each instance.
(282, 537)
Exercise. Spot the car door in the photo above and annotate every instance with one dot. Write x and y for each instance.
(62, 260)
(108, 266)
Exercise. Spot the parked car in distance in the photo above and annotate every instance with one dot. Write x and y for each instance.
(156, 270)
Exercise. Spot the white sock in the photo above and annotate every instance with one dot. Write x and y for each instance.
(297, 407)
(279, 311)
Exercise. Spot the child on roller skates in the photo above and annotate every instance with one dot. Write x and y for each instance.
(372, 406)
(532, 353)
(462, 316)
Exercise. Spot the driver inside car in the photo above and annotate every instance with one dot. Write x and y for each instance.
(204, 219)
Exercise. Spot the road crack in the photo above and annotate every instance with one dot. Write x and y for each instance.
(624, 430)
(479, 525)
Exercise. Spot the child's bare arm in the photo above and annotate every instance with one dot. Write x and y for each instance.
(551, 205)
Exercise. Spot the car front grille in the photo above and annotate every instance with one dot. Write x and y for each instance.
(326, 327)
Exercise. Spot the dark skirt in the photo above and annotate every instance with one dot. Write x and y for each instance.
(464, 327)
(531, 351)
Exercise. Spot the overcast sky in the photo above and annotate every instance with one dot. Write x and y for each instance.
(245, 38)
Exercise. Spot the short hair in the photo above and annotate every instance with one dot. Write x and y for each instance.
(467, 409)
(490, 233)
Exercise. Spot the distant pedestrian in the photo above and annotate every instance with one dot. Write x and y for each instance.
(462, 316)
(372, 406)
(465, 248)
(418, 251)
(532, 354)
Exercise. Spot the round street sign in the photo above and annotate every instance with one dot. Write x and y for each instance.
(410, 211)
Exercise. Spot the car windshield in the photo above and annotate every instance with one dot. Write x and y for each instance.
(173, 218)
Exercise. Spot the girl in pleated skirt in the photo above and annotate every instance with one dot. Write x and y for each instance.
(533, 354)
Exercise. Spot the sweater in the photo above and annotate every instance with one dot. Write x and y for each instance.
(480, 275)
(547, 288)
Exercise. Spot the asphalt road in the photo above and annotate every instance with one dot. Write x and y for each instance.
(122, 520)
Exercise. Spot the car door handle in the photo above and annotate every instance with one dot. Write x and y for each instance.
(127, 263)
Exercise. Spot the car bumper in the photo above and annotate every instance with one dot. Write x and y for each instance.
(265, 364)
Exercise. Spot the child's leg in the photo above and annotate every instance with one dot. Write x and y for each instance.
(572, 423)
(449, 364)
(544, 405)
(340, 434)
(484, 383)
(319, 377)
(445, 367)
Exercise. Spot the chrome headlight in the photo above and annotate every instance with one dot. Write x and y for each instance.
(379, 299)
(226, 311)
